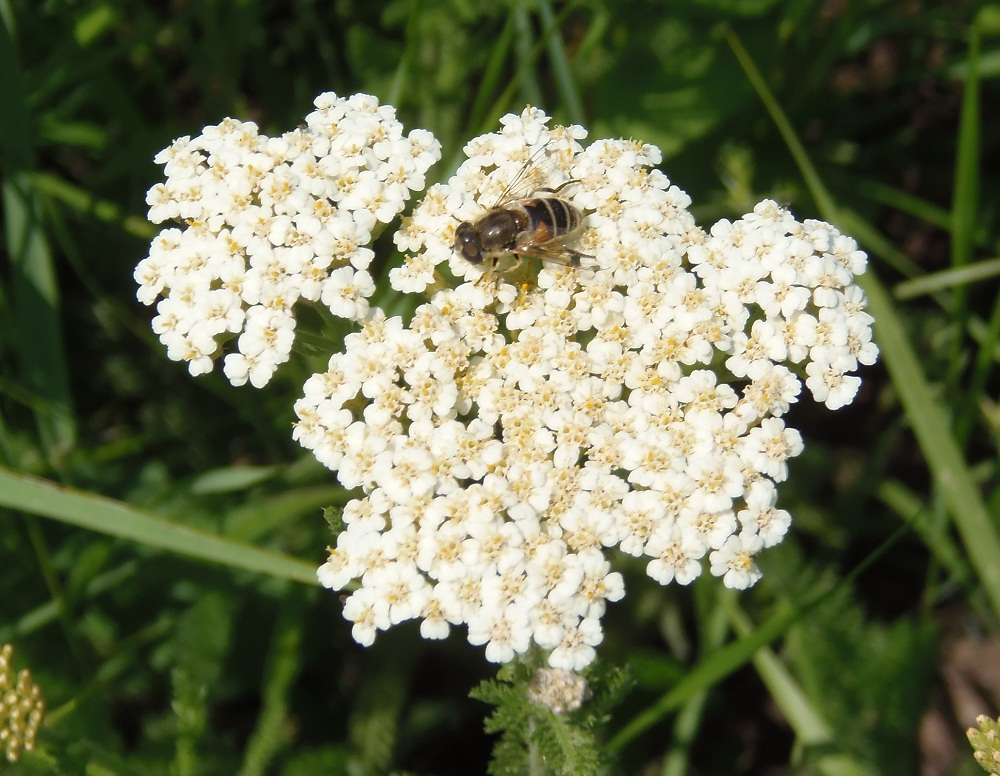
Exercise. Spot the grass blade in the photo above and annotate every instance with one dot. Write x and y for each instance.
(811, 729)
(568, 92)
(114, 518)
(966, 192)
(709, 671)
(527, 55)
(937, 281)
(82, 201)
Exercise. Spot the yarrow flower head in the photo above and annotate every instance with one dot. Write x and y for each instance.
(267, 221)
(559, 690)
(531, 419)
(985, 740)
(21, 708)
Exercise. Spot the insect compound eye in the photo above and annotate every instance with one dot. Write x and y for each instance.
(465, 244)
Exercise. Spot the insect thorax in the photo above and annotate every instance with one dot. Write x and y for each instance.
(498, 230)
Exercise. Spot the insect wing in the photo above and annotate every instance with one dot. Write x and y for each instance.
(525, 182)
(553, 253)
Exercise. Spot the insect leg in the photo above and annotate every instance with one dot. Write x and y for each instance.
(560, 187)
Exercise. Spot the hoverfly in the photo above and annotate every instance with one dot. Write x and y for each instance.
(538, 225)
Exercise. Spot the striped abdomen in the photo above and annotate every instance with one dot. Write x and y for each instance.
(545, 219)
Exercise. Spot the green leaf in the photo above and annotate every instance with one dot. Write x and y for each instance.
(273, 729)
(35, 289)
(200, 646)
(261, 516)
(537, 740)
(231, 478)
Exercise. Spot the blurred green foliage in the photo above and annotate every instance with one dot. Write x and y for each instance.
(154, 663)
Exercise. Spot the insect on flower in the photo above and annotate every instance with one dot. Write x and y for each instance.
(538, 225)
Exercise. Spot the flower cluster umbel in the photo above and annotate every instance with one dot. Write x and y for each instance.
(521, 425)
(271, 220)
(529, 418)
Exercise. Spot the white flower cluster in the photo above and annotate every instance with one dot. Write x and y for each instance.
(525, 423)
(271, 220)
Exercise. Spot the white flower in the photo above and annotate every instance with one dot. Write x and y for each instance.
(734, 561)
(270, 221)
(768, 447)
(576, 650)
(402, 587)
(675, 555)
(829, 384)
(369, 613)
(760, 516)
(529, 417)
(505, 631)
